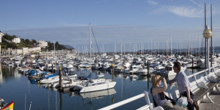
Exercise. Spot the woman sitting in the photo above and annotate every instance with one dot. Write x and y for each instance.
(159, 96)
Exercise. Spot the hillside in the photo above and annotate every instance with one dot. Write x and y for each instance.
(7, 43)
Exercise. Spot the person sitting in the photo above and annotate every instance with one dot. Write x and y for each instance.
(159, 95)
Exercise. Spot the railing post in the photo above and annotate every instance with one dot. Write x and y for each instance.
(148, 100)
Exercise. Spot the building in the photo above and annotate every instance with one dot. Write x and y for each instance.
(42, 44)
(25, 51)
(1, 35)
(16, 40)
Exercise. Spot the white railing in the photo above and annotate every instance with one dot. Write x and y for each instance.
(126, 101)
(148, 105)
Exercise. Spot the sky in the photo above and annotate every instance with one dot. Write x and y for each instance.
(133, 23)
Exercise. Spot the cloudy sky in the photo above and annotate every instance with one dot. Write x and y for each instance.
(134, 23)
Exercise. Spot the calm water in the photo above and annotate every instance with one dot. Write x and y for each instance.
(17, 87)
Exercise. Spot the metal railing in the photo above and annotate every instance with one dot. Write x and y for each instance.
(148, 106)
(126, 101)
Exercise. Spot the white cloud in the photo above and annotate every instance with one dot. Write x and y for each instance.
(152, 2)
(185, 11)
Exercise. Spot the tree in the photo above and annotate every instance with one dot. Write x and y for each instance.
(34, 42)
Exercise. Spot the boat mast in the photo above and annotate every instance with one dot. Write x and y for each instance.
(54, 49)
(171, 47)
(90, 43)
(115, 48)
(121, 48)
(205, 39)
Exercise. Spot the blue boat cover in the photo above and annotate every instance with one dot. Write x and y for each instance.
(32, 72)
(50, 76)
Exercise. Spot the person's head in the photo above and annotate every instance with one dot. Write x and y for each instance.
(177, 67)
(155, 80)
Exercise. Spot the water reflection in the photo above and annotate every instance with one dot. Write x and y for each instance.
(51, 99)
(7, 73)
(98, 94)
(133, 77)
(61, 100)
(1, 75)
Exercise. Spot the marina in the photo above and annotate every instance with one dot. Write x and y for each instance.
(34, 84)
(142, 55)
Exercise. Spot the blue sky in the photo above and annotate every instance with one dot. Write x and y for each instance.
(131, 22)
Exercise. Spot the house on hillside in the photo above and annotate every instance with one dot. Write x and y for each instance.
(1, 35)
(42, 44)
(16, 40)
(25, 50)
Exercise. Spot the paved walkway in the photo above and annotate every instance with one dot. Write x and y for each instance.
(211, 106)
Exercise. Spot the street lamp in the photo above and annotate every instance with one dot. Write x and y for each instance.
(207, 33)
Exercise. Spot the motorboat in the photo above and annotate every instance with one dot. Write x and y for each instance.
(50, 80)
(98, 94)
(95, 85)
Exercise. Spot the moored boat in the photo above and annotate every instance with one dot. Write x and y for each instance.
(6, 106)
(95, 85)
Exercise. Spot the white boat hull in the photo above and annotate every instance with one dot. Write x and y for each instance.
(98, 87)
(50, 80)
(98, 93)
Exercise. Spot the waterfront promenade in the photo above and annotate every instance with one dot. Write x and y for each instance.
(211, 106)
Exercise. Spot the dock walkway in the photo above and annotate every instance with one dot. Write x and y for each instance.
(211, 106)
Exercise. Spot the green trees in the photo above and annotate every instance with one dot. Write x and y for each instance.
(7, 43)
(57, 46)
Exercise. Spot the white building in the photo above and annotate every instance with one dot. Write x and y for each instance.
(1, 35)
(16, 40)
(42, 44)
(26, 50)
(34, 49)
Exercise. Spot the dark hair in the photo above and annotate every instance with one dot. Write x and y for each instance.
(177, 65)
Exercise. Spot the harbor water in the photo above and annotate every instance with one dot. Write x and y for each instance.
(29, 94)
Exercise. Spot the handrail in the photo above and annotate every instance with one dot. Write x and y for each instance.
(192, 75)
(126, 101)
(123, 102)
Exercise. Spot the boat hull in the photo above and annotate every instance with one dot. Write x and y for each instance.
(104, 86)
(10, 106)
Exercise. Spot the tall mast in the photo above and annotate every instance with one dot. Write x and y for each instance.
(115, 48)
(90, 43)
(205, 14)
(54, 49)
(212, 51)
(121, 48)
(205, 39)
(171, 47)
